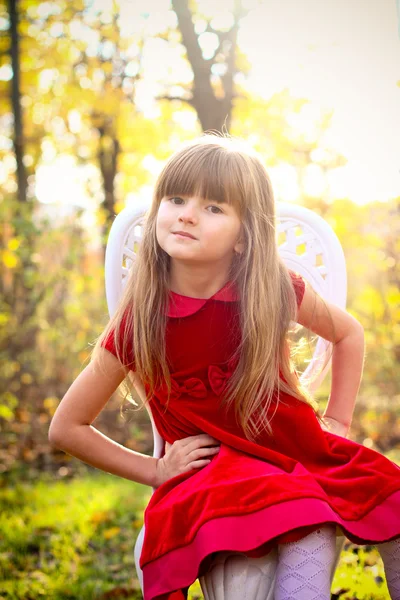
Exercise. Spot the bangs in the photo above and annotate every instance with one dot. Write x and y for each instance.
(210, 173)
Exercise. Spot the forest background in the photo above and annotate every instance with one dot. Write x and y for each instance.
(94, 96)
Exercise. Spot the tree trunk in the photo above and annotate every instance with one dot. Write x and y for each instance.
(18, 139)
(109, 149)
(214, 113)
(22, 300)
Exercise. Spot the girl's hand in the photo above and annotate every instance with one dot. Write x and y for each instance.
(185, 455)
(333, 426)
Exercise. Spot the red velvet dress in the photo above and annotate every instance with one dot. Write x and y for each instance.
(251, 495)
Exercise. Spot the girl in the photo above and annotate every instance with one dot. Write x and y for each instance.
(249, 462)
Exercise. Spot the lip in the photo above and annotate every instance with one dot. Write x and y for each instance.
(184, 234)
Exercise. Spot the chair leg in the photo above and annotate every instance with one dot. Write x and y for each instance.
(235, 576)
(137, 553)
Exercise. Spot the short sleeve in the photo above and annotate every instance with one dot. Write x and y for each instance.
(110, 344)
(299, 284)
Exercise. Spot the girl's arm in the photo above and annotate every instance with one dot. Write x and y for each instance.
(71, 429)
(347, 368)
(347, 357)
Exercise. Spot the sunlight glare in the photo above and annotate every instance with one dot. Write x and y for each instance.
(208, 43)
(74, 121)
(46, 79)
(6, 73)
(187, 119)
(145, 93)
(61, 182)
(305, 121)
(153, 165)
(314, 181)
(200, 25)
(223, 21)
(208, 7)
(284, 180)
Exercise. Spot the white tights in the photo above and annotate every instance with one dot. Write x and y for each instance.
(304, 567)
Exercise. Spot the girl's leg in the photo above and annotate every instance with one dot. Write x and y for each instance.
(390, 554)
(304, 566)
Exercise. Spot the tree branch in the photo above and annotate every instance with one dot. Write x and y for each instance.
(166, 97)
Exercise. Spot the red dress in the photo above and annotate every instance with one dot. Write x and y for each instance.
(251, 495)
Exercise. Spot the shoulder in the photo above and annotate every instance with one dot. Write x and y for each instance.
(117, 338)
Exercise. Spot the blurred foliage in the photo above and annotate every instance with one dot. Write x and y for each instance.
(49, 551)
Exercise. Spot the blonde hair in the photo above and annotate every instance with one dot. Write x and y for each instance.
(218, 167)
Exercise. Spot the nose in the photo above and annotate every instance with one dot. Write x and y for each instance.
(188, 213)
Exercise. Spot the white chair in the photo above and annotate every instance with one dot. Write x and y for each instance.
(309, 246)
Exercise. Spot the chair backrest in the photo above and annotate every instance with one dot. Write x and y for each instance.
(307, 244)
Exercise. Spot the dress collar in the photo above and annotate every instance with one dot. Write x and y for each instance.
(183, 306)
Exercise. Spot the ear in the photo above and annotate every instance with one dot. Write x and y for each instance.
(239, 246)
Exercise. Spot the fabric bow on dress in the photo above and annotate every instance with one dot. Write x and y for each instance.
(218, 377)
(192, 387)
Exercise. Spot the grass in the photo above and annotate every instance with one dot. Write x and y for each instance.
(70, 539)
(74, 539)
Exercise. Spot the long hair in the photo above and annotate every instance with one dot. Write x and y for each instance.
(218, 167)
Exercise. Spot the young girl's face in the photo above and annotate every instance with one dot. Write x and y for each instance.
(214, 228)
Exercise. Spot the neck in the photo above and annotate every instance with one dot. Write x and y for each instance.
(196, 281)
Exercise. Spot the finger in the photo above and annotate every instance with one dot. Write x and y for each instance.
(198, 464)
(194, 449)
(203, 452)
(203, 438)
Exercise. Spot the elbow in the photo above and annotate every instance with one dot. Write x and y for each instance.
(356, 330)
(56, 435)
(354, 334)
(53, 437)
(60, 437)
(359, 329)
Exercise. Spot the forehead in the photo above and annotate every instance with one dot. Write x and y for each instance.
(208, 176)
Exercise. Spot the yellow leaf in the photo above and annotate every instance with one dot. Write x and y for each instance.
(14, 243)
(137, 523)
(112, 532)
(118, 206)
(107, 68)
(101, 217)
(9, 259)
(50, 402)
(4, 318)
(100, 516)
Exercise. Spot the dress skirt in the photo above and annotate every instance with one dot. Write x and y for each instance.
(247, 503)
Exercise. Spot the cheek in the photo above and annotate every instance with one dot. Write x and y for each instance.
(162, 221)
